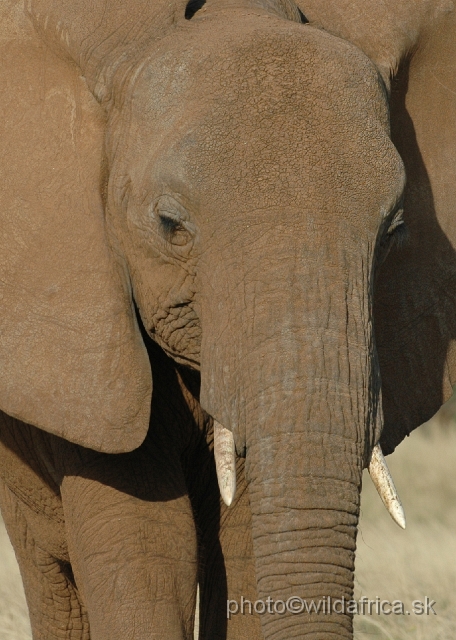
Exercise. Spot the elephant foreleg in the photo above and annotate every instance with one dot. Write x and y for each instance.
(132, 545)
(55, 607)
(237, 548)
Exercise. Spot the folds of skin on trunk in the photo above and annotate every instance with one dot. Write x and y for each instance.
(294, 377)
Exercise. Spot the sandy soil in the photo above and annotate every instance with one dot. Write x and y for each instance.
(391, 564)
(420, 561)
(14, 622)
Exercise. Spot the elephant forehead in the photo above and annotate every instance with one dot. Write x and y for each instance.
(242, 72)
(264, 110)
(273, 105)
(295, 144)
(286, 63)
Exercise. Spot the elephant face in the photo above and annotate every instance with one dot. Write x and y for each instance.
(250, 175)
(253, 188)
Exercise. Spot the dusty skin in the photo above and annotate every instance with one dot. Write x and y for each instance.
(232, 211)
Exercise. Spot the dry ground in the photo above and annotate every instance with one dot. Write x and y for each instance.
(391, 563)
(420, 561)
(14, 622)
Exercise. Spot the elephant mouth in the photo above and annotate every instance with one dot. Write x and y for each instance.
(182, 343)
(179, 358)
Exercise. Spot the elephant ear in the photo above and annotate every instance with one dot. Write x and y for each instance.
(72, 361)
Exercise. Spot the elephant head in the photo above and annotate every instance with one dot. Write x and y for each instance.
(252, 190)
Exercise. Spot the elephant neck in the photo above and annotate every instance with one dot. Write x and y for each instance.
(102, 36)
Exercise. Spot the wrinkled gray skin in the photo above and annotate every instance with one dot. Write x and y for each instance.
(251, 192)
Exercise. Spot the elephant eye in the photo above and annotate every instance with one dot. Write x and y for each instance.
(174, 230)
(396, 221)
(173, 223)
(395, 234)
(398, 229)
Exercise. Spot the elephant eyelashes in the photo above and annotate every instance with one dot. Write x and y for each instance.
(174, 230)
(398, 230)
(395, 235)
(397, 221)
(173, 222)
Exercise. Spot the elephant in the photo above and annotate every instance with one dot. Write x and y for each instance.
(215, 196)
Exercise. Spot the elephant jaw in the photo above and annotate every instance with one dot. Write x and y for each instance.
(225, 463)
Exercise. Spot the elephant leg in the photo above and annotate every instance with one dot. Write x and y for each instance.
(55, 607)
(227, 570)
(132, 544)
(237, 548)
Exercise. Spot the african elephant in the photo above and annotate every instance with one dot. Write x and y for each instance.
(230, 168)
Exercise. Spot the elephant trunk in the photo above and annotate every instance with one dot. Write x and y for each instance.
(305, 512)
(298, 385)
(304, 463)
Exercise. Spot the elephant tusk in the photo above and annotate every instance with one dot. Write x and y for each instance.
(225, 462)
(381, 477)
